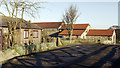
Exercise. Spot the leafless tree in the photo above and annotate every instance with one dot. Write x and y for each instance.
(16, 10)
(69, 18)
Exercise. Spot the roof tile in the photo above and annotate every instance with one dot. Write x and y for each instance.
(76, 26)
(49, 24)
(100, 32)
(75, 32)
(25, 24)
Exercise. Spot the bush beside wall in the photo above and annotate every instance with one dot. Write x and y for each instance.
(25, 49)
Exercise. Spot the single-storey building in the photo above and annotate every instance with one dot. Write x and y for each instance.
(79, 30)
(102, 35)
(28, 33)
(49, 28)
(84, 31)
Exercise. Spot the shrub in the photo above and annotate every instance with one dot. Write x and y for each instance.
(20, 49)
(44, 47)
(38, 47)
(51, 45)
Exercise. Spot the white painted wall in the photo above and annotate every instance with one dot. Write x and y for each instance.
(85, 32)
(114, 37)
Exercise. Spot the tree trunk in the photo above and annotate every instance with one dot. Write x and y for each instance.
(8, 41)
(13, 36)
(71, 31)
(44, 36)
(9, 35)
(70, 36)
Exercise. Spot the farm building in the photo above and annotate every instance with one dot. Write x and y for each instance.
(84, 31)
(28, 33)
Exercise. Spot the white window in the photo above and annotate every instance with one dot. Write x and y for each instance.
(26, 34)
(35, 34)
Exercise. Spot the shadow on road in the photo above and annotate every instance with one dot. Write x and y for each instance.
(74, 56)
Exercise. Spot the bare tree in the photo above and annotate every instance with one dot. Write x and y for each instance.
(69, 18)
(16, 10)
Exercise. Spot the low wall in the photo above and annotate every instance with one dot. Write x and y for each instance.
(27, 49)
(67, 41)
(24, 50)
(8, 54)
(93, 41)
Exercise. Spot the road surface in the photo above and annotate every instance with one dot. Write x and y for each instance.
(81, 56)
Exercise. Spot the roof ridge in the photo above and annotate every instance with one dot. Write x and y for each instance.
(49, 25)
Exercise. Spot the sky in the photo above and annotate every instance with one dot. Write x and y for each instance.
(100, 15)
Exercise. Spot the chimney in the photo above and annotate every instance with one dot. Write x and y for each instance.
(29, 21)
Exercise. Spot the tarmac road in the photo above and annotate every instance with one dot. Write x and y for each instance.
(80, 56)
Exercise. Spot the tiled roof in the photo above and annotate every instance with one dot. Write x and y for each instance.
(49, 24)
(75, 32)
(29, 25)
(76, 26)
(100, 32)
(25, 24)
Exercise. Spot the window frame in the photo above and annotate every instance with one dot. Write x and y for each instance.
(34, 35)
(25, 34)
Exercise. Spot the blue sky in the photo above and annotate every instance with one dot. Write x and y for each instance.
(100, 15)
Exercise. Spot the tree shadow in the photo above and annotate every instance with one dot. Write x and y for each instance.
(116, 64)
(62, 57)
(104, 59)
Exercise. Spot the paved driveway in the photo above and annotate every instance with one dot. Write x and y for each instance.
(69, 56)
